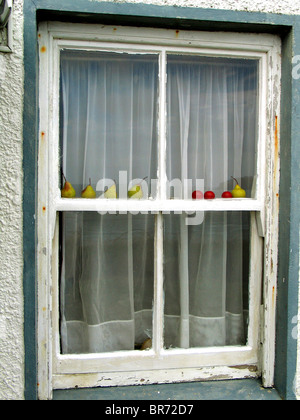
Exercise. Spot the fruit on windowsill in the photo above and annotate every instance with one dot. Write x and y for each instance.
(197, 195)
(136, 191)
(147, 344)
(226, 194)
(209, 195)
(89, 191)
(111, 192)
(238, 191)
(68, 191)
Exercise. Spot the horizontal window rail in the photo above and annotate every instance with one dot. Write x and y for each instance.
(133, 205)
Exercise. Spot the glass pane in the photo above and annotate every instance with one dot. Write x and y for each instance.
(206, 270)
(212, 123)
(106, 282)
(108, 119)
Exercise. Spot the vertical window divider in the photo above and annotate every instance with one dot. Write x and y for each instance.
(162, 127)
(158, 310)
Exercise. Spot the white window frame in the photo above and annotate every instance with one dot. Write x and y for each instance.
(56, 371)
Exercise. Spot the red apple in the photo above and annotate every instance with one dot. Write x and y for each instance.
(197, 195)
(209, 195)
(226, 194)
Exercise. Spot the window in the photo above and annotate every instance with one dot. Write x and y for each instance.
(142, 283)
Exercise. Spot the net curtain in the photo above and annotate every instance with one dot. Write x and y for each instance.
(109, 108)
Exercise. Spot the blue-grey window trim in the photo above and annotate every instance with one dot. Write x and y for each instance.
(288, 27)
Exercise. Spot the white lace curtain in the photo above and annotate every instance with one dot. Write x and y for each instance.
(109, 124)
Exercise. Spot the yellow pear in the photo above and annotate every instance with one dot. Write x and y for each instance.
(147, 344)
(238, 192)
(136, 191)
(111, 192)
(68, 191)
(88, 192)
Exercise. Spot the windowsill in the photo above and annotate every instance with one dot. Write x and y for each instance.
(225, 204)
(245, 389)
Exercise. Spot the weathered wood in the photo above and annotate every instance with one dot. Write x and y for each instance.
(157, 365)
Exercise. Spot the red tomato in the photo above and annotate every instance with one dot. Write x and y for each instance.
(226, 194)
(209, 195)
(197, 195)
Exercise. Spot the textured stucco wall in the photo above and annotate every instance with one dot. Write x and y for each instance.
(11, 264)
(11, 97)
(265, 6)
